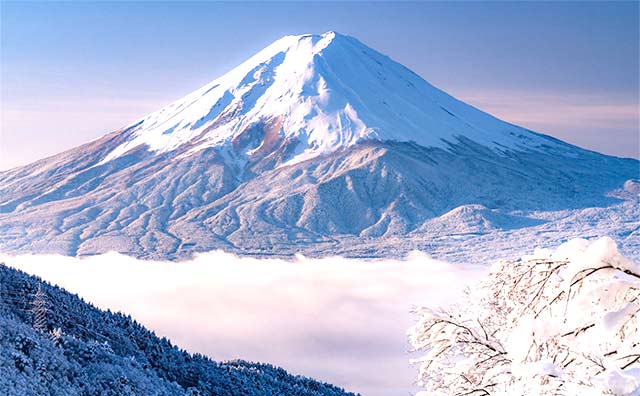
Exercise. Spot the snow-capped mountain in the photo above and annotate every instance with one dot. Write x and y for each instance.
(319, 144)
(310, 95)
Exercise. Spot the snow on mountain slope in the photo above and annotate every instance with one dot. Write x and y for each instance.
(326, 93)
(475, 219)
(316, 144)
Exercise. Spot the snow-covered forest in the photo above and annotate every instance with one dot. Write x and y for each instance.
(53, 343)
(563, 322)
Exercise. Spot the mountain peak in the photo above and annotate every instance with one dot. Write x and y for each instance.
(329, 36)
(316, 94)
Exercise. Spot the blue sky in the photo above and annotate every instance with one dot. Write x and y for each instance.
(74, 71)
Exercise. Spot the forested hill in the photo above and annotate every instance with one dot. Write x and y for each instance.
(53, 343)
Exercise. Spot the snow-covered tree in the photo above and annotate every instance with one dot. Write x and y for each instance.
(40, 311)
(562, 322)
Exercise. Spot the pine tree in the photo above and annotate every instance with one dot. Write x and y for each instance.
(40, 311)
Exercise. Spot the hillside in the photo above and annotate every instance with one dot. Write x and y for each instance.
(53, 343)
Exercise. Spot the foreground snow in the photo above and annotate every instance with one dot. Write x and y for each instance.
(558, 322)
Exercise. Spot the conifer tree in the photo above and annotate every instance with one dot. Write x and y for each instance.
(40, 311)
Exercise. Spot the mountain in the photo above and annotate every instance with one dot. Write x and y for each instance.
(316, 144)
(53, 343)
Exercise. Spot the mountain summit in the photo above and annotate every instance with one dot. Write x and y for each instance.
(309, 95)
(318, 144)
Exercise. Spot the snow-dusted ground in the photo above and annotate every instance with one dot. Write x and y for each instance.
(374, 200)
(470, 240)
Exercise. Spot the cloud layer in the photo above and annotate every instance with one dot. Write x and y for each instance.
(339, 320)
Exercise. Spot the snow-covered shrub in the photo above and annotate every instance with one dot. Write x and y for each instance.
(563, 322)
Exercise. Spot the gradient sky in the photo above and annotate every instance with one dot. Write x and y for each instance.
(74, 71)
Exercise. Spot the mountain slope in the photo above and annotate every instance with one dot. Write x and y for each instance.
(315, 142)
(303, 96)
(76, 349)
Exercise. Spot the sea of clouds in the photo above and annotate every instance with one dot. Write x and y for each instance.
(339, 320)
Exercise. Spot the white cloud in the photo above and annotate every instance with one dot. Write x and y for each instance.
(340, 320)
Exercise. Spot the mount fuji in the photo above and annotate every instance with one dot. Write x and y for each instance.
(321, 145)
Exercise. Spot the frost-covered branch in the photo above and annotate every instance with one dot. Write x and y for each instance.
(564, 322)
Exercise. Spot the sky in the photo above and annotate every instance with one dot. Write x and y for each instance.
(339, 320)
(71, 72)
